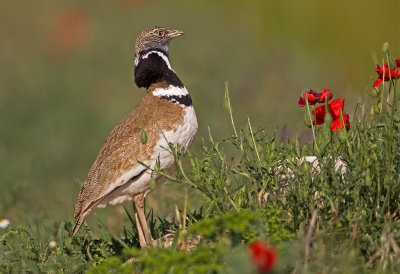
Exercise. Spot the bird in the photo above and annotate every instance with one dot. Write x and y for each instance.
(141, 142)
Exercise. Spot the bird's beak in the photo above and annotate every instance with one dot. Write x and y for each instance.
(174, 33)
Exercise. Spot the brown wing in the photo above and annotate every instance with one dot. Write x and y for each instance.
(122, 149)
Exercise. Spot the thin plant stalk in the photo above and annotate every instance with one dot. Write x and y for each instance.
(229, 108)
(311, 119)
(252, 138)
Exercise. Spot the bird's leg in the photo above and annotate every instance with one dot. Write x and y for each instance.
(142, 240)
(141, 222)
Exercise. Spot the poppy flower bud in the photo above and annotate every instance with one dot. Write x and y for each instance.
(361, 127)
(386, 179)
(376, 91)
(306, 167)
(376, 109)
(372, 112)
(368, 180)
(385, 47)
(392, 62)
(143, 137)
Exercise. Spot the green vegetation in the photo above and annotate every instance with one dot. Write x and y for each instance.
(320, 220)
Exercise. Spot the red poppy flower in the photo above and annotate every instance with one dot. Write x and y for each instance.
(324, 94)
(385, 73)
(338, 123)
(335, 107)
(264, 257)
(318, 115)
(312, 96)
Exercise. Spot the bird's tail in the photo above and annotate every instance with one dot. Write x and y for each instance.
(79, 221)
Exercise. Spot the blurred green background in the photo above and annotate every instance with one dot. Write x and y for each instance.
(66, 77)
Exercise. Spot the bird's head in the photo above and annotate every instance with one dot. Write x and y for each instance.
(155, 38)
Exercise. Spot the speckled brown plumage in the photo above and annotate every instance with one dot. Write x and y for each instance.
(123, 149)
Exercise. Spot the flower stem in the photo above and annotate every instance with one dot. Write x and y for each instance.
(312, 124)
(254, 141)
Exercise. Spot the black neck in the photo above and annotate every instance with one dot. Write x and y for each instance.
(153, 69)
(185, 100)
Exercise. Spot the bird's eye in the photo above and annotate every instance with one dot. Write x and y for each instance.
(160, 33)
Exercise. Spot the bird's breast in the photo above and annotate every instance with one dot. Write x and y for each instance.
(183, 134)
(186, 132)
